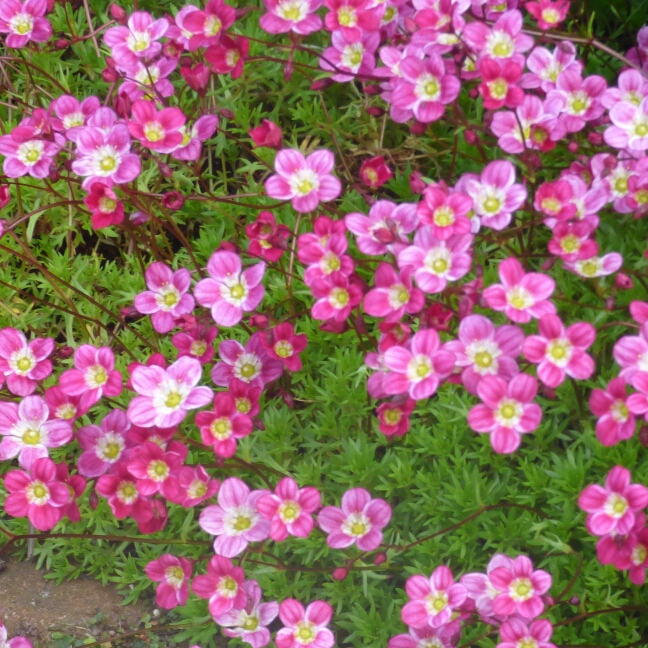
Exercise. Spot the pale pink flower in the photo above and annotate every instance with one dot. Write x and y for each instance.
(613, 509)
(306, 181)
(629, 129)
(588, 202)
(350, 58)
(393, 295)
(546, 66)
(291, 15)
(482, 591)
(229, 291)
(24, 22)
(359, 521)
(196, 484)
(549, 14)
(158, 130)
(615, 421)
(424, 638)
(445, 213)
(235, 520)
(631, 352)
(73, 114)
(140, 39)
(507, 411)
(103, 445)
(596, 266)
(24, 363)
(305, 628)
(222, 586)
(173, 574)
(632, 87)
(515, 633)
(520, 295)
(31, 157)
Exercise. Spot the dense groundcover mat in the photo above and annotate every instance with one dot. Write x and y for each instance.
(326, 323)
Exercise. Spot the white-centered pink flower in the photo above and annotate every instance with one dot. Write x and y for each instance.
(140, 39)
(291, 15)
(158, 130)
(546, 66)
(629, 129)
(24, 363)
(222, 586)
(632, 87)
(350, 58)
(32, 157)
(446, 213)
(103, 445)
(24, 22)
(305, 628)
(596, 266)
(393, 295)
(631, 353)
(482, 591)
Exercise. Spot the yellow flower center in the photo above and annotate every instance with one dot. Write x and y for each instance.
(221, 428)
(24, 364)
(432, 87)
(39, 490)
(243, 405)
(589, 268)
(173, 400)
(641, 130)
(393, 416)
(483, 359)
(237, 291)
(248, 370)
(242, 523)
(492, 205)
(170, 299)
(570, 243)
(33, 155)
(358, 528)
(108, 163)
(289, 511)
(198, 348)
(498, 88)
(107, 205)
(250, 624)
(440, 265)
(621, 185)
(551, 16)
(213, 25)
(502, 50)
(112, 450)
(558, 351)
(292, 12)
(304, 186)
(31, 437)
(507, 411)
(283, 349)
(551, 204)
(443, 216)
(347, 17)
(305, 633)
(153, 132)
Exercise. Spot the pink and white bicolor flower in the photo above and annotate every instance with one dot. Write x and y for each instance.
(482, 591)
(32, 157)
(103, 445)
(172, 573)
(24, 22)
(159, 130)
(446, 213)
(140, 39)
(291, 15)
(629, 129)
(393, 295)
(515, 633)
(24, 363)
(222, 586)
(615, 420)
(305, 628)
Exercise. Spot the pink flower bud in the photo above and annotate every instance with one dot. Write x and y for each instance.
(380, 558)
(93, 499)
(574, 600)
(595, 138)
(473, 93)
(548, 392)
(118, 14)
(225, 113)
(643, 436)
(165, 169)
(109, 75)
(229, 246)
(64, 352)
(62, 43)
(623, 282)
(259, 321)
(128, 312)
(288, 71)
(340, 573)
(54, 173)
(417, 128)
(548, 600)
(173, 200)
(549, 263)
(122, 105)
(572, 147)
(321, 84)
(609, 303)
(360, 325)
(197, 77)
(5, 196)
(471, 137)
(416, 182)
(267, 133)
(138, 218)
(287, 398)
(375, 111)
(372, 89)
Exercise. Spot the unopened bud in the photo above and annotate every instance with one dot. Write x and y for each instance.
(259, 321)
(93, 499)
(122, 105)
(473, 93)
(173, 200)
(288, 71)
(574, 600)
(321, 84)
(417, 128)
(372, 89)
(548, 392)
(118, 14)
(287, 398)
(360, 325)
(380, 558)
(165, 169)
(572, 147)
(643, 436)
(65, 352)
(375, 111)
(340, 573)
(54, 173)
(595, 138)
(609, 303)
(548, 264)
(229, 246)
(623, 282)
(548, 600)
(416, 182)
(128, 311)
(62, 43)
(471, 137)
(225, 113)
(109, 75)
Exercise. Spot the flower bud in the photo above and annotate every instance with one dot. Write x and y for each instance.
(138, 218)
(340, 573)
(172, 49)
(375, 111)
(380, 558)
(173, 200)
(109, 75)
(129, 312)
(321, 84)
(595, 138)
(267, 133)
(548, 392)
(196, 77)
(287, 398)
(643, 436)
(416, 182)
(473, 93)
(93, 499)
(623, 282)
(122, 105)
(572, 147)
(225, 113)
(5, 196)
(549, 263)
(54, 173)
(64, 352)
(229, 246)
(165, 169)
(259, 321)
(118, 14)
(62, 44)
(372, 89)
(548, 600)
(609, 303)
(360, 325)
(288, 71)
(471, 137)
(417, 128)
(574, 600)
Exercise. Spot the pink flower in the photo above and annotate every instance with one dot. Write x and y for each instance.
(482, 591)
(24, 363)
(571, 241)
(359, 521)
(615, 421)
(36, 495)
(336, 295)
(393, 295)
(374, 172)
(635, 557)
(24, 22)
(61, 405)
(222, 586)
(507, 411)
(324, 259)
(137, 41)
(631, 352)
(394, 416)
(613, 509)
(616, 549)
(208, 25)
(167, 395)
(267, 239)
(16, 642)
(289, 509)
(514, 632)
(419, 370)
(73, 114)
(27, 157)
(223, 426)
(548, 14)
(499, 84)
(351, 57)
(521, 588)
(545, 66)
(291, 15)
(432, 600)
(172, 573)
(267, 133)
(424, 638)
(103, 445)
(196, 485)
(554, 199)
(156, 469)
(166, 298)
(229, 290)
(596, 266)
(197, 343)
(424, 88)
(76, 486)
(445, 213)
(106, 208)
(120, 489)
(629, 128)
(306, 181)
(193, 137)
(305, 628)
(229, 55)
(560, 352)
(283, 344)
(235, 521)
(246, 396)
(158, 130)
(148, 80)
(520, 295)
(632, 87)
(351, 17)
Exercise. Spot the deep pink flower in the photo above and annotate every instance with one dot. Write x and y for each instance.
(229, 55)
(352, 17)
(37, 495)
(305, 628)
(306, 181)
(223, 426)
(76, 486)
(323, 260)
(235, 520)
(359, 521)
(106, 208)
(507, 411)
(246, 396)
(166, 298)
(156, 469)
(291, 15)
(374, 172)
(481, 590)
(634, 557)
(283, 344)
(572, 242)
(629, 129)
(193, 136)
(549, 15)
(393, 295)
(197, 343)
(615, 421)
(554, 199)
(24, 363)
(103, 445)
(63, 406)
(27, 157)
(208, 25)
(148, 80)
(73, 114)
(140, 39)
(352, 57)
(222, 586)
(445, 213)
(499, 84)
(196, 484)
(289, 509)
(172, 573)
(158, 130)
(167, 395)
(432, 600)
(16, 642)
(336, 296)
(24, 22)
(394, 416)
(424, 638)
(520, 295)
(229, 291)
(120, 489)
(514, 632)
(613, 508)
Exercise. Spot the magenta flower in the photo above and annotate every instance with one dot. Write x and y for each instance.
(120, 489)
(637, 558)
(375, 172)
(629, 128)
(196, 485)
(481, 590)
(432, 600)
(499, 84)
(137, 41)
(267, 134)
(580, 99)
(24, 22)
(103, 445)
(158, 130)
(106, 208)
(208, 25)
(27, 432)
(613, 509)
(394, 416)
(24, 363)
(419, 370)
(483, 350)
(222, 427)
(520, 295)
(31, 157)
(545, 66)
(289, 509)
(352, 17)
(514, 632)
(283, 344)
(554, 199)
(291, 15)
(222, 586)
(197, 343)
(359, 521)
(393, 295)
(507, 411)
(322, 260)
(336, 295)
(172, 573)
(229, 55)
(229, 290)
(445, 213)
(166, 298)
(36, 495)
(246, 396)
(572, 242)
(615, 421)
(305, 628)
(267, 239)
(350, 58)
(93, 376)
(61, 405)
(424, 638)
(306, 181)
(16, 642)
(156, 470)
(193, 136)
(235, 521)
(167, 394)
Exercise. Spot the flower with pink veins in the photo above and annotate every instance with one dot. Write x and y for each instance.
(291, 15)
(545, 66)
(596, 266)
(499, 84)
(507, 410)
(235, 520)
(515, 633)
(246, 396)
(283, 344)
(424, 88)
(148, 80)
(156, 469)
(166, 298)
(632, 87)
(305, 628)
(305, 181)
(445, 213)
(37, 495)
(140, 39)
(483, 350)
(336, 295)
(433, 600)
(613, 508)
(615, 421)
(222, 427)
(105, 206)
(629, 129)
(560, 352)
(322, 260)
(418, 370)
(222, 586)
(352, 17)
(158, 130)
(351, 58)
(554, 199)
(436, 262)
(196, 484)
(571, 241)
(359, 521)
(24, 363)
(230, 291)
(197, 343)
(24, 22)
(31, 157)
(103, 445)
(250, 623)
(73, 114)
(393, 295)
(631, 353)
(61, 405)
(394, 416)
(549, 14)
(290, 509)
(424, 638)
(207, 26)
(520, 295)
(229, 55)
(193, 136)
(165, 395)
(173, 574)
(27, 433)
(375, 172)
(16, 642)
(634, 557)
(482, 591)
